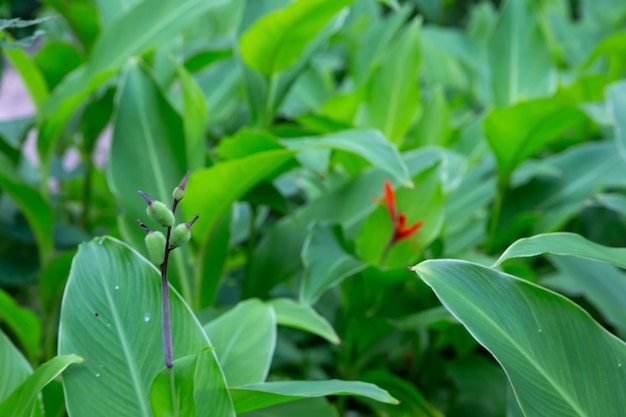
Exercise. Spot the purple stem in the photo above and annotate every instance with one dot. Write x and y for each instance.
(166, 323)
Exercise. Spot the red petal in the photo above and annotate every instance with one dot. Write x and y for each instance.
(405, 232)
(390, 199)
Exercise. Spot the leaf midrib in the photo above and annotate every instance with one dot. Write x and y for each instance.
(574, 405)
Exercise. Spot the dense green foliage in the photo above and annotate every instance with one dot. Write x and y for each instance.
(418, 200)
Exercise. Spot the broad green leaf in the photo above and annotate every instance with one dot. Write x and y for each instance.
(36, 211)
(112, 10)
(31, 75)
(326, 263)
(616, 102)
(535, 335)
(564, 244)
(465, 209)
(214, 254)
(15, 367)
(369, 144)
(291, 313)
(518, 132)
(55, 60)
(195, 120)
(313, 407)
(111, 314)
(411, 401)
(23, 401)
(448, 59)
(612, 201)
(153, 161)
(52, 280)
(516, 38)
(601, 284)
(392, 97)
(244, 339)
(347, 205)
(584, 170)
(144, 26)
(247, 142)
(200, 388)
(432, 318)
(277, 40)
(375, 42)
(212, 191)
(252, 397)
(433, 127)
(24, 324)
(81, 17)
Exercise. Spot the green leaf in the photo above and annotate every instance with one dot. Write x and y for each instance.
(518, 132)
(278, 39)
(212, 191)
(601, 284)
(412, 401)
(31, 76)
(246, 142)
(35, 209)
(290, 313)
(195, 120)
(535, 335)
(584, 170)
(347, 205)
(369, 144)
(82, 18)
(154, 161)
(112, 10)
(252, 397)
(616, 102)
(244, 340)
(392, 97)
(200, 388)
(23, 400)
(141, 28)
(111, 314)
(56, 59)
(433, 127)
(326, 263)
(564, 244)
(24, 324)
(314, 407)
(15, 367)
(516, 38)
(52, 279)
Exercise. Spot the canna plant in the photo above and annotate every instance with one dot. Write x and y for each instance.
(495, 130)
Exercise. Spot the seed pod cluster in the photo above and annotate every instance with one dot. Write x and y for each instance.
(160, 213)
(157, 245)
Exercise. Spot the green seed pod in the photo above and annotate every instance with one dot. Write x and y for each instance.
(178, 193)
(180, 235)
(159, 212)
(155, 243)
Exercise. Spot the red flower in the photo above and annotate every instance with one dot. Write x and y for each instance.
(400, 229)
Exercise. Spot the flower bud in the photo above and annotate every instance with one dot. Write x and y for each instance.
(155, 243)
(180, 235)
(178, 193)
(160, 213)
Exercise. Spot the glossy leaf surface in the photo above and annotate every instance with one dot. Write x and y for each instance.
(534, 334)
